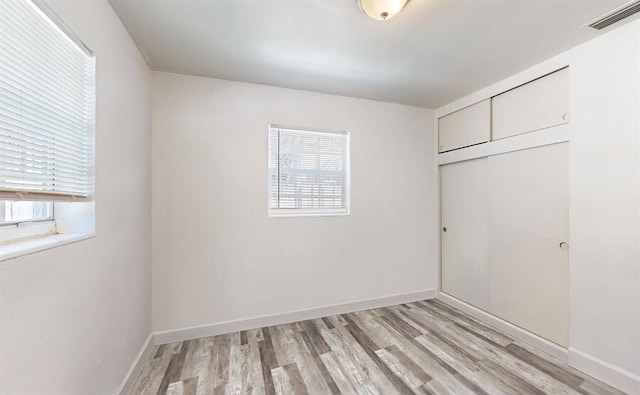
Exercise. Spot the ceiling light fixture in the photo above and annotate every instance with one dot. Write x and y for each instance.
(381, 10)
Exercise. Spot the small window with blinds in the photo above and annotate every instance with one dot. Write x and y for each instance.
(47, 106)
(308, 172)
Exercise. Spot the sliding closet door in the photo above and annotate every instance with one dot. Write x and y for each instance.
(528, 221)
(464, 231)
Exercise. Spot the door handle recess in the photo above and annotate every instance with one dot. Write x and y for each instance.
(563, 245)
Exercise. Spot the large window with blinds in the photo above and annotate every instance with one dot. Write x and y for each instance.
(47, 113)
(308, 172)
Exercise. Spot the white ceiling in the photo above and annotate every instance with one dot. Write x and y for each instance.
(433, 52)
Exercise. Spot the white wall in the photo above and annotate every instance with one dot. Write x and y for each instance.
(216, 254)
(604, 200)
(73, 318)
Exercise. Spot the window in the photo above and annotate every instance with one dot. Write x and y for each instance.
(13, 212)
(47, 113)
(308, 172)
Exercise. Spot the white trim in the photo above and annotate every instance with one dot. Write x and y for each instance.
(437, 176)
(307, 212)
(604, 371)
(20, 248)
(507, 328)
(538, 138)
(297, 129)
(220, 328)
(129, 379)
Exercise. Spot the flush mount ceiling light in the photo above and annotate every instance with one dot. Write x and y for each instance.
(381, 10)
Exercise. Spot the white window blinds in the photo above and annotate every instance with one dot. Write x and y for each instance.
(47, 106)
(308, 172)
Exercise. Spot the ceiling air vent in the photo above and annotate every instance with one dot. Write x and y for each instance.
(616, 15)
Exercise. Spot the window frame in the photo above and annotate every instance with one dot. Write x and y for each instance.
(72, 216)
(311, 212)
(17, 223)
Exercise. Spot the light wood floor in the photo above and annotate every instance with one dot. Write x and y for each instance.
(423, 348)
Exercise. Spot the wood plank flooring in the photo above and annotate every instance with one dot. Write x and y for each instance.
(425, 347)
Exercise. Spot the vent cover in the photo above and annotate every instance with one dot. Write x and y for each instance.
(616, 16)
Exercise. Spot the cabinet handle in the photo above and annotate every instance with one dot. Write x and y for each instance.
(563, 245)
(444, 229)
(565, 116)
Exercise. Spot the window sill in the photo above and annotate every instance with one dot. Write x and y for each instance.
(20, 248)
(290, 214)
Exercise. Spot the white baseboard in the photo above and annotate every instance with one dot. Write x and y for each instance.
(605, 372)
(219, 328)
(126, 385)
(507, 328)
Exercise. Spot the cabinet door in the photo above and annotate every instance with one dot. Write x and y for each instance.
(469, 126)
(528, 219)
(539, 104)
(464, 244)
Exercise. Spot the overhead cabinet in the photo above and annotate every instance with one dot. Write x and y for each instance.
(539, 104)
(466, 127)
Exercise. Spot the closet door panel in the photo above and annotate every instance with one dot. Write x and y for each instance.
(539, 104)
(469, 126)
(464, 268)
(528, 219)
